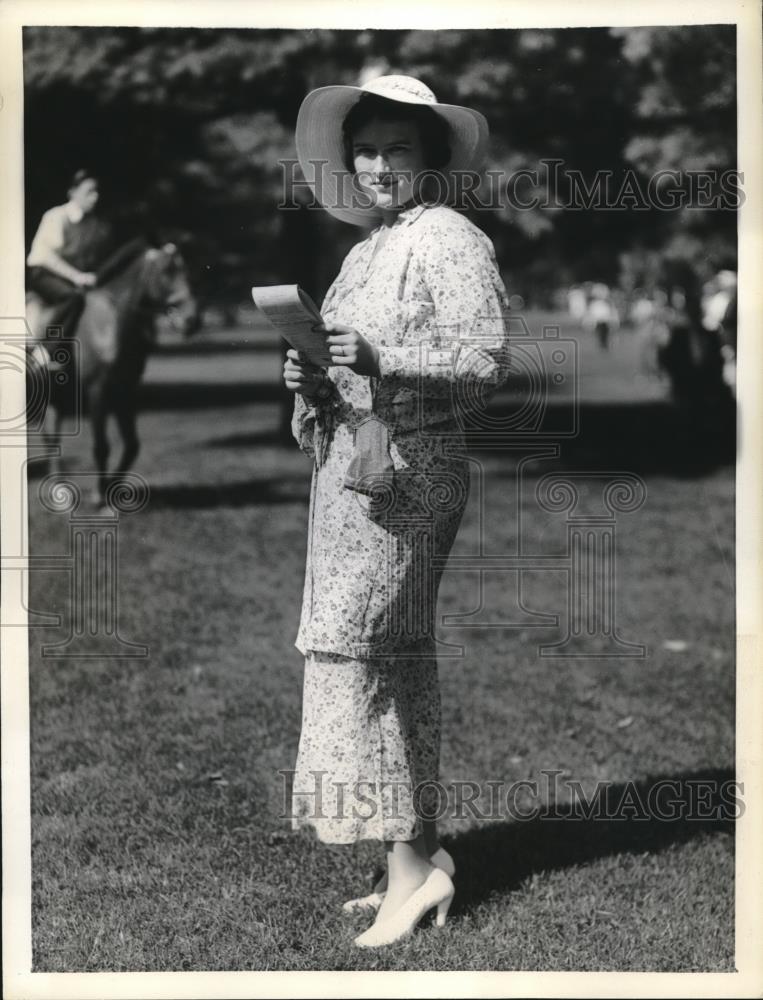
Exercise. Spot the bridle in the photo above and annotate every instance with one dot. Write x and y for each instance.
(152, 289)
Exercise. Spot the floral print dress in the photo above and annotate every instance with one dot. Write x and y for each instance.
(430, 298)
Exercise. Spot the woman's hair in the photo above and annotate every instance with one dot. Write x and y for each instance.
(434, 131)
(79, 176)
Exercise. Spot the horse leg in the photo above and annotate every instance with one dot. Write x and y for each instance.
(125, 415)
(98, 415)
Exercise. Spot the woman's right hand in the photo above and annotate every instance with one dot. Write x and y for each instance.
(301, 376)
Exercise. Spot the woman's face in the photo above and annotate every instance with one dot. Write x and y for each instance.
(388, 157)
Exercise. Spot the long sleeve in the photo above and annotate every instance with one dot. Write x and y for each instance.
(461, 356)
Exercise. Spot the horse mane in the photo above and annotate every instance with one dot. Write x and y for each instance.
(112, 309)
(118, 262)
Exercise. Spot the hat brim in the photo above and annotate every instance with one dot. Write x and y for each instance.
(321, 152)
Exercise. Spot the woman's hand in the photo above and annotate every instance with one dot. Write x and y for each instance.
(301, 376)
(351, 349)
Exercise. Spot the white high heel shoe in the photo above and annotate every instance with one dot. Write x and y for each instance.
(437, 891)
(440, 859)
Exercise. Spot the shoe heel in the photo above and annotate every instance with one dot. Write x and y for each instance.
(442, 910)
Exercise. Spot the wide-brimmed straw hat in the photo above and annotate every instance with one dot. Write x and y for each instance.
(320, 146)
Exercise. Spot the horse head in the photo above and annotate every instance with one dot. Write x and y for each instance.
(167, 289)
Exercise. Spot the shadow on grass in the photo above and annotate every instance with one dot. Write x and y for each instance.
(279, 490)
(498, 856)
(251, 439)
(204, 395)
(648, 438)
(645, 438)
(194, 348)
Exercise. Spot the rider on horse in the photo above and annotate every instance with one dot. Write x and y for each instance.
(112, 327)
(70, 243)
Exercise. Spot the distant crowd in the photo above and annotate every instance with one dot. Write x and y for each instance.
(679, 323)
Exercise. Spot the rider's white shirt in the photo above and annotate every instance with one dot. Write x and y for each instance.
(50, 233)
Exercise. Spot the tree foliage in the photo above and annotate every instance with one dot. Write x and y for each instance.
(186, 128)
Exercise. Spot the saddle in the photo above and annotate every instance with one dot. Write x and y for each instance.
(98, 320)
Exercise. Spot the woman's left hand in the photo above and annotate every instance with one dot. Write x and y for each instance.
(350, 348)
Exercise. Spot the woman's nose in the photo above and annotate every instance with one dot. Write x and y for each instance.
(380, 164)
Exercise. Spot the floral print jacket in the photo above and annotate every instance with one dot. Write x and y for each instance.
(433, 303)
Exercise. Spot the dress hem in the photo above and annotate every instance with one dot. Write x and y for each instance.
(298, 825)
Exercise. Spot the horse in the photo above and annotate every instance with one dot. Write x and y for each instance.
(115, 334)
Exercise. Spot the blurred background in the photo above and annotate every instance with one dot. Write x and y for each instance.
(186, 127)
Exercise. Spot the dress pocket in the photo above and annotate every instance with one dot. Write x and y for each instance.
(371, 467)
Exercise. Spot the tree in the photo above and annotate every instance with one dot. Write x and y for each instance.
(186, 127)
(685, 121)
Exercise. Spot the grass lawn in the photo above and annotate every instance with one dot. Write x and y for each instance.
(156, 797)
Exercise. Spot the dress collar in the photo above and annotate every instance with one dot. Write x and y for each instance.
(404, 218)
(372, 245)
(409, 215)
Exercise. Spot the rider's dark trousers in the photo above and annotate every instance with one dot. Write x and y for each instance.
(55, 290)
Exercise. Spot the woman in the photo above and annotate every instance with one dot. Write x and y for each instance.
(415, 323)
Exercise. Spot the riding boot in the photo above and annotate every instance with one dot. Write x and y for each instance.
(66, 299)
